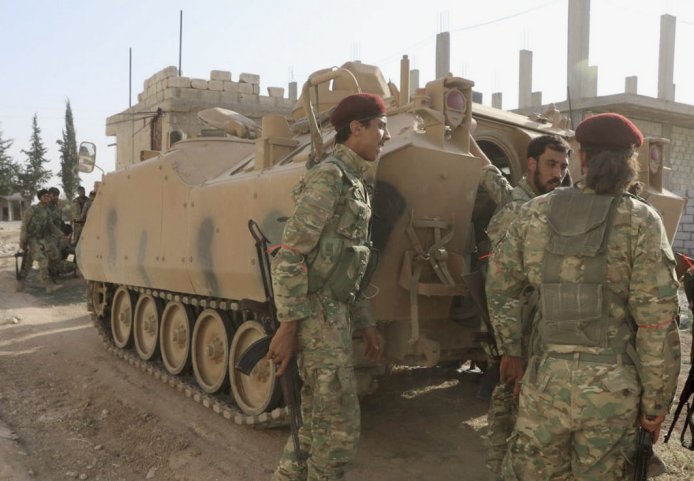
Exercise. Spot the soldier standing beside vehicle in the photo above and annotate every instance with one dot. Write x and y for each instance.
(608, 347)
(78, 206)
(317, 273)
(548, 164)
(34, 240)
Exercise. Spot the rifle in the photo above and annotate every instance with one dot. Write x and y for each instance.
(18, 267)
(687, 392)
(475, 286)
(644, 451)
(289, 381)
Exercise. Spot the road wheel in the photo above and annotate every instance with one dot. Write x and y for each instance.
(211, 350)
(122, 318)
(174, 337)
(259, 391)
(146, 326)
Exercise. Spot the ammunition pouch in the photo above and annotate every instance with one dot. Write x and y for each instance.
(339, 269)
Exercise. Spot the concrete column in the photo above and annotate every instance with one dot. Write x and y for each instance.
(525, 79)
(666, 58)
(590, 83)
(292, 91)
(631, 85)
(578, 45)
(497, 101)
(443, 54)
(414, 81)
(536, 99)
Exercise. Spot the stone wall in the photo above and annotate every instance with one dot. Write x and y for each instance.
(171, 103)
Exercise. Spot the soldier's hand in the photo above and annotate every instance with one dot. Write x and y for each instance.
(652, 424)
(373, 350)
(282, 346)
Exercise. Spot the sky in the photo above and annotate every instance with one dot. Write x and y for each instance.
(79, 50)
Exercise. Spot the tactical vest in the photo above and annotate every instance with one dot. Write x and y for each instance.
(37, 227)
(343, 260)
(577, 314)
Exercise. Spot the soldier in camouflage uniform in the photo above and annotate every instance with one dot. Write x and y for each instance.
(59, 237)
(317, 278)
(34, 240)
(609, 354)
(78, 207)
(548, 164)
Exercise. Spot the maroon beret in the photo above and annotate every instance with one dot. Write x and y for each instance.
(608, 131)
(357, 107)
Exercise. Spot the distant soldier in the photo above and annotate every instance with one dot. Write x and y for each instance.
(317, 277)
(78, 206)
(608, 351)
(35, 241)
(547, 164)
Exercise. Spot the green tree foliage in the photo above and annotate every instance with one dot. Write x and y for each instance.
(34, 174)
(8, 168)
(69, 174)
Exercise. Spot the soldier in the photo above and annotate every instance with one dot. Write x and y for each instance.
(78, 206)
(34, 241)
(547, 163)
(60, 238)
(608, 347)
(317, 274)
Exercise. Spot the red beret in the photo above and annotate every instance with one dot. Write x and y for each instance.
(357, 107)
(608, 131)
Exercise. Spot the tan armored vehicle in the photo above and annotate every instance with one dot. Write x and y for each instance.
(175, 285)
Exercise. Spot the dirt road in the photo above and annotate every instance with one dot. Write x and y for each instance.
(71, 410)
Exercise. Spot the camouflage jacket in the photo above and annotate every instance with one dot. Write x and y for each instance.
(36, 224)
(325, 207)
(640, 278)
(56, 215)
(508, 200)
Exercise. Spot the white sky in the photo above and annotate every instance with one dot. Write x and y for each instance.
(78, 49)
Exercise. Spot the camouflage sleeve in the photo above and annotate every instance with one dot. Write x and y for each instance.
(315, 205)
(505, 282)
(495, 184)
(653, 305)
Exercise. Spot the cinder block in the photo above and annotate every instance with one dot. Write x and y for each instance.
(248, 98)
(249, 78)
(140, 97)
(275, 91)
(181, 82)
(217, 85)
(689, 245)
(256, 89)
(230, 98)
(245, 88)
(687, 227)
(222, 75)
(211, 97)
(231, 87)
(263, 100)
(170, 71)
(687, 219)
(198, 83)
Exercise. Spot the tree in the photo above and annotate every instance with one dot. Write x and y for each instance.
(8, 168)
(33, 174)
(69, 174)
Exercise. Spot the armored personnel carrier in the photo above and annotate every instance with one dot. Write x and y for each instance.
(175, 285)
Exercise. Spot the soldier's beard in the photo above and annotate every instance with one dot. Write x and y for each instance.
(548, 186)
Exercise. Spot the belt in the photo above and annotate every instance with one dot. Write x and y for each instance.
(590, 357)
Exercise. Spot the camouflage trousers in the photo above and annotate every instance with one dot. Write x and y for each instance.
(329, 403)
(44, 253)
(576, 421)
(501, 419)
